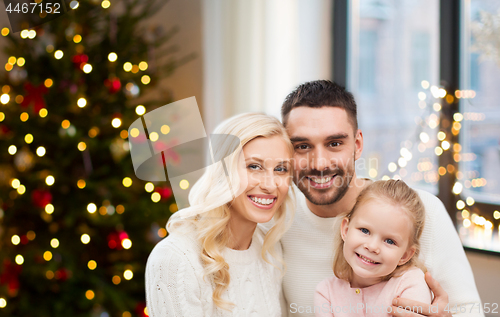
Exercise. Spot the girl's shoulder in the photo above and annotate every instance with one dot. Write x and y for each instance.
(410, 277)
(412, 273)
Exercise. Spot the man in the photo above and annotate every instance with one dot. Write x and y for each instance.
(320, 118)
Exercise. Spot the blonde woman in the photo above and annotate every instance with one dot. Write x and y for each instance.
(217, 260)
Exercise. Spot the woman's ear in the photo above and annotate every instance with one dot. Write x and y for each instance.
(407, 255)
(344, 226)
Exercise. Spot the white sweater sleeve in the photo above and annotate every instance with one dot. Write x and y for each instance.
(172, 286)
(445, 258)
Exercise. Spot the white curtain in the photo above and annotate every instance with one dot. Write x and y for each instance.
(257, 51)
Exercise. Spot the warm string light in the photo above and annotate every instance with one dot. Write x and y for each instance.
(12, 149)
(91, 208)
(149, 187)
(140, 110)
(85, 238)
(145, 79)
(87, 68)
(112, 57)
(173, 207)
(81, 183)
(127, 182)
(480, 227)
(162, 233)
(74, 4)
(19, 259)
(49, 209)
(54, 243)
(399, 167)
(475, 231)
(82, 102)
(92, 265)
(4, 99)
(15, 239)
(155, 197)
(116, 122)
(129, 67)
(90, 294)
(58, 54)
(184, 184)
(50, 180)
(128, 275)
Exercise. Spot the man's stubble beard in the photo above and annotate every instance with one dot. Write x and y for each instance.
(325, 197)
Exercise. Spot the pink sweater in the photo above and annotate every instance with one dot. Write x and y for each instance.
(335, 297)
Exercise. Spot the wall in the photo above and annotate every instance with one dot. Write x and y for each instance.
(187, 81)
(486, 270)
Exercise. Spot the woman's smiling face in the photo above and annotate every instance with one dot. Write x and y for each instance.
(267, 167)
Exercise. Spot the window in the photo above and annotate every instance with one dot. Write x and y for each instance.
(367, 47)
(421, 57)
(393, 52)
(480, 133)
(425, 77)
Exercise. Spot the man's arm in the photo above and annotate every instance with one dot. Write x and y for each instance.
(442, 252)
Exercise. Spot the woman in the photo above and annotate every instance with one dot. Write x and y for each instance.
(216, 260)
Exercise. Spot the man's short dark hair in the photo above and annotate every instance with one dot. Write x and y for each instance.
(320, 93)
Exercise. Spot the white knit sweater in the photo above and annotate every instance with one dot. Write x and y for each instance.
(308, 253)
(175, 285)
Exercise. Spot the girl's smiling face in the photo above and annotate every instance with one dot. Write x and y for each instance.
(376, 241)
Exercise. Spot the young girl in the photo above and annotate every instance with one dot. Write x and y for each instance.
(376, 258)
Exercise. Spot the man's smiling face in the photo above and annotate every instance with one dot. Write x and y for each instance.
(325, 148)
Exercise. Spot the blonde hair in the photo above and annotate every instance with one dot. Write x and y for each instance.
(397, 193)
(210, 198)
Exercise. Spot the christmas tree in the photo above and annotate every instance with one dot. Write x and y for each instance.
(76, 225)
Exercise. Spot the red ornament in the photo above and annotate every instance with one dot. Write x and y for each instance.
(41, 198)
(34, 95)
(115, 239)
(10, 275)
(140, 309)
(79, 60)
(63, 274)
(169, 153)
(165, 192)
(122, 235)
(114, 84)
(4, 129)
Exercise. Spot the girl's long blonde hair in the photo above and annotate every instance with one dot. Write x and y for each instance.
(397, 193)
(210, 198)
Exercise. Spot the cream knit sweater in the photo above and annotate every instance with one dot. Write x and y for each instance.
(308, 253)
(175, 285)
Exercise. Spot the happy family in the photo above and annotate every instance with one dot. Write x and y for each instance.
(304, 236)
